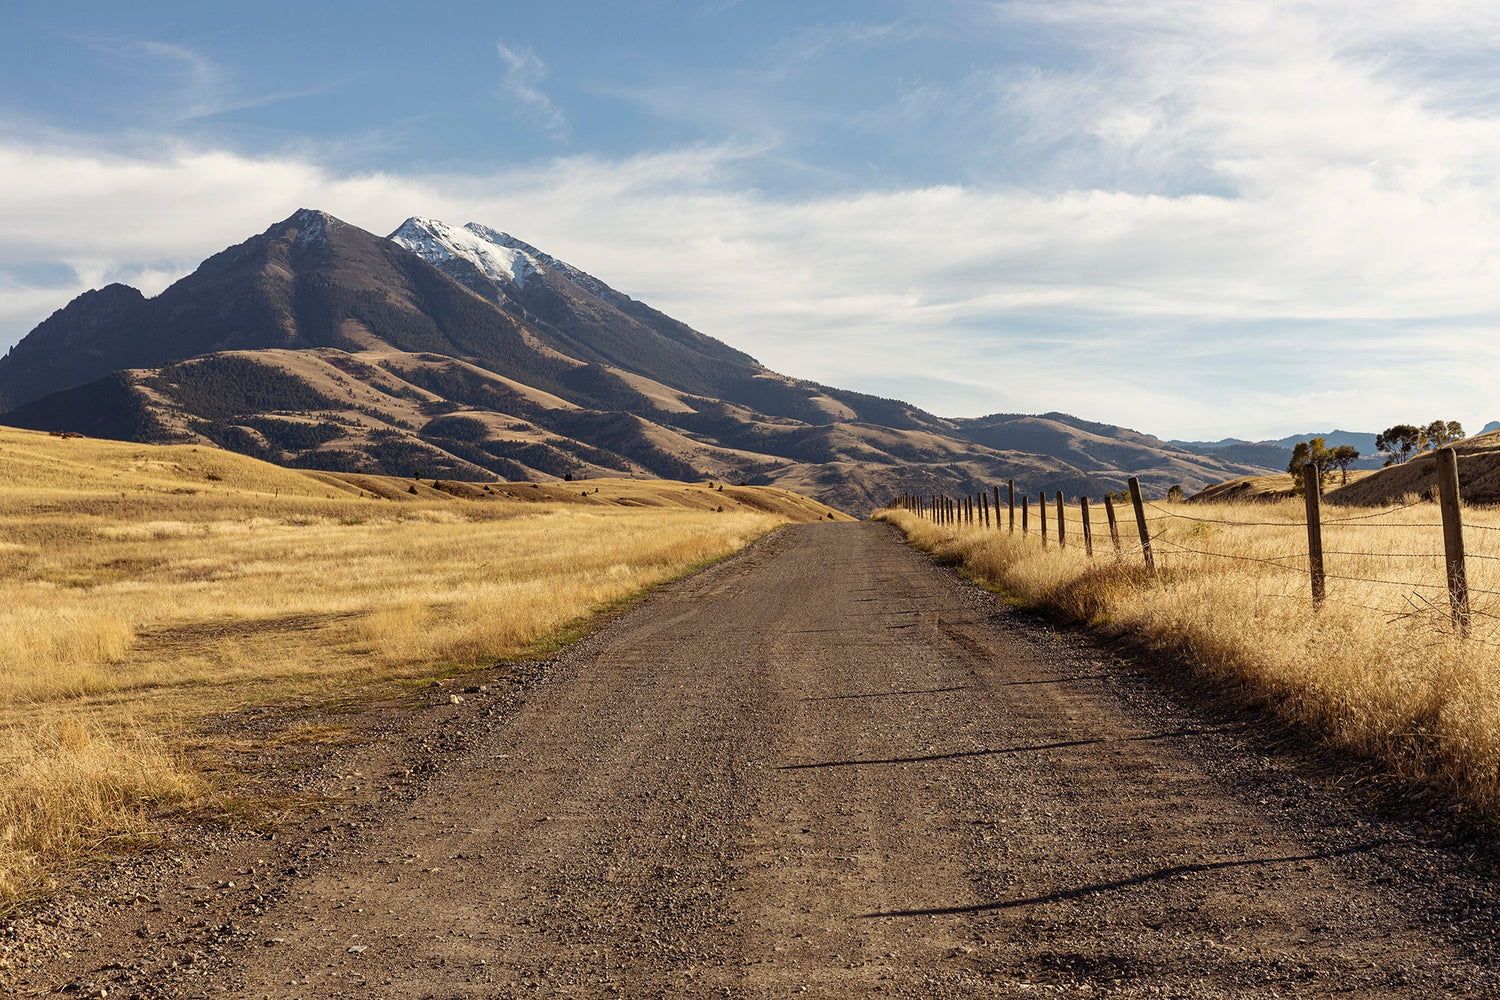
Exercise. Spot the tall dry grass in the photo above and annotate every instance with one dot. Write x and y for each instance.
(126, 615)
(68, 791)
(1377, 668)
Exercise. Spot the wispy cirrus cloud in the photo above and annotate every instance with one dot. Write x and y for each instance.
(524, 72)
(817, 41)
(187, 85)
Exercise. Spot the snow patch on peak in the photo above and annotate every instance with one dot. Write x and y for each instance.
(437, 243)
(499, 239)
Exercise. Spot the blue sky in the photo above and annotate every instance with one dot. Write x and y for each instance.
(1198, 218)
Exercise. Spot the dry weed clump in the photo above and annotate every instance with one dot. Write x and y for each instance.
(1377, 669)
(68, 790)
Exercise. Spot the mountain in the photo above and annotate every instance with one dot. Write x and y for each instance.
(1333, 439)
(1277, 454)
(462, 352)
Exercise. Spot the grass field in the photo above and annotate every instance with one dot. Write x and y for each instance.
(143, 589)
(1377, 669)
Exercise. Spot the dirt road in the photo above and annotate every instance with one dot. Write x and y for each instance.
(826, 767)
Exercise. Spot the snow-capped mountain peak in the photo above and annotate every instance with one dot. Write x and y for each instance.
(505, 240)
(437, 242)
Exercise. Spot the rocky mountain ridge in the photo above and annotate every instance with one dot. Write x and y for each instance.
(461, 352)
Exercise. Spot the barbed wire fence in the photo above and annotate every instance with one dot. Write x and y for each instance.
(1307, 555)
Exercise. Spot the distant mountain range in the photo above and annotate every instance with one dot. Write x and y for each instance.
(464, 353)
(1277, 454)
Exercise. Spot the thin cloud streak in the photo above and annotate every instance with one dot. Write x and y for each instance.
(194, 86)
(524, 72)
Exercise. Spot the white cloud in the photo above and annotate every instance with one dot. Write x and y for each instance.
(524, 72)
(1261, 219)
(1009, 300)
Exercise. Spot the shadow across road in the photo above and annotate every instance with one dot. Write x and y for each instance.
(1095, 888)
(956, 755)
(998, 752)
(887, 694)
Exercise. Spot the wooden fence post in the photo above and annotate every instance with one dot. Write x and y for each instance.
(1011, 486)
(1024, 511)
(1140, 522)
(1114, 527)
(1453, 538)
(1311, 483)
(1042, 513)
(997, 507)
(984, 507)
(1088, 531)
(1062, 522)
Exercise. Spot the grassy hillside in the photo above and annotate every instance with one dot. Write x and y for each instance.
(1275, 487)
(145, 588)
(1478, 476)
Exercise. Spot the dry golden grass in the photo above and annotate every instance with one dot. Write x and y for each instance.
(144, 588)
(1377, 669)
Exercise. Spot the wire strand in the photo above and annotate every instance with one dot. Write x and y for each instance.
(1226, 555)
(1386, 555)
(1378, 513)
(1213, 520)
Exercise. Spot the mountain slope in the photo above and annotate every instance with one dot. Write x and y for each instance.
(309, 281)
(575, 312)
(461, 352)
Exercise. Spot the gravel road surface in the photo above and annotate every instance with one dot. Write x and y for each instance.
(826, 767)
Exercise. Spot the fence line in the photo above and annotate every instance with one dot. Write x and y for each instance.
(975, 510)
